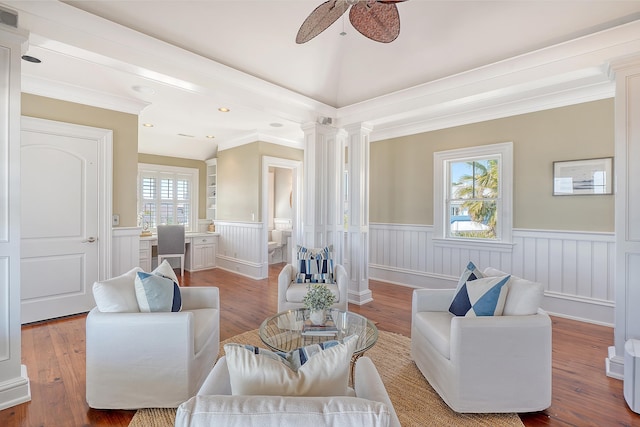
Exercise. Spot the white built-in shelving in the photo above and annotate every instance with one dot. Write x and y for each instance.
(212, 188)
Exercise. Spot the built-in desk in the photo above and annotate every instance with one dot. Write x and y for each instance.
(200, 254)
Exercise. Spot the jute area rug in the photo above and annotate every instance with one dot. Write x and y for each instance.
(415, 402)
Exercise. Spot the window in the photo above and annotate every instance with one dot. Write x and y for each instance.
(167, 195)
(473, 199)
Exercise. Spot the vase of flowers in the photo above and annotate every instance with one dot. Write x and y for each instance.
(318, 299)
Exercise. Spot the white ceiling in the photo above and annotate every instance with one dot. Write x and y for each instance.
(454, 62)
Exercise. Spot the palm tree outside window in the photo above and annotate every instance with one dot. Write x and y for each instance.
(474, 196)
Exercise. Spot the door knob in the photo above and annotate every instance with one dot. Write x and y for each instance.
(89, 240)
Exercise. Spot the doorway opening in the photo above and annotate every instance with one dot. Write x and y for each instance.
(281, 219)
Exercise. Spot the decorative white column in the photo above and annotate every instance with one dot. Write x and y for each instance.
(356, 258)
(627, 211)
(322, 190)
(14, 383)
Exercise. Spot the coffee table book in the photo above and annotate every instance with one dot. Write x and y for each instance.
(329, 329)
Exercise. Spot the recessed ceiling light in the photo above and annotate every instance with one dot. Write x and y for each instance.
(210, 136)
(31, 59)
(147, 125)
(144, 89)
(224, 109)
(275, 125)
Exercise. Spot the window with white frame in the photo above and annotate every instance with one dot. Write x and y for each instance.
(167, 195)
(473, 193)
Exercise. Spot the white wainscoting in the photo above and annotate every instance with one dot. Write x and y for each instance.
(125, 249)
(241, 248)
(576, 268)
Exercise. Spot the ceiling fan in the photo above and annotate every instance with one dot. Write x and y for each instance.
(376, 19)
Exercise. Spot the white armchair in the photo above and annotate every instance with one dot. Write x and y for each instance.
(368, 404)
(290, 293)
(151, 360)
(483, 364)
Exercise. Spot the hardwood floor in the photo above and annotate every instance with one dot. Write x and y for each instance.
(53, 352)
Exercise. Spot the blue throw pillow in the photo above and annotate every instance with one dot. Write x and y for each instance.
(481, 297)
(177, 298)
(470, 273)
(156, 293)
(314, 266)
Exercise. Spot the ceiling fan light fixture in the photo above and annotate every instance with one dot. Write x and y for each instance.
(377, 20)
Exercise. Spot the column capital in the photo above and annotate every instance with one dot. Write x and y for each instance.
(625, 62)
(352, 128)
(313, 127)
(17, 36)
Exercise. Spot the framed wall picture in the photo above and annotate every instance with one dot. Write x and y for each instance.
(583, 177)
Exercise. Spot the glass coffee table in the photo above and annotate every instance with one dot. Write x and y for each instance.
(284, 331)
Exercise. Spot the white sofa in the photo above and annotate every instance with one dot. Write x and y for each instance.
(290, 293)
(369, 405)
(150, 360)
(487, 364)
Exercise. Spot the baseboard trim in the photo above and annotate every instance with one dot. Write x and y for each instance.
(238, 266)
(360, 298)
(15, 391)
(614, 364)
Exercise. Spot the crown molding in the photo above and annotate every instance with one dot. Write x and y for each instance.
(80, 95)
(565, 74)
(260, 137)
(491, 112)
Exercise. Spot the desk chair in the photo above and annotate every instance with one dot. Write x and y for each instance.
(171, 244)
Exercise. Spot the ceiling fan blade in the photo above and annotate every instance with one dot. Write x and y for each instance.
(379, 21)
(320, 19)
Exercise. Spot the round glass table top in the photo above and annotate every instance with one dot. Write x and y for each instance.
(285, 331)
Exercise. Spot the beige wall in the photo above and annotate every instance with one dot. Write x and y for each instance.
(183, 163)
(402, 168)
(240, 179)
(125, 144)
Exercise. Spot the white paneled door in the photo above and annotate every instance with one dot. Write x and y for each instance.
(59, 222)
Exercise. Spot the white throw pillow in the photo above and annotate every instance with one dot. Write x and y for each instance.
(524, 296)
(117, 295)
(490, 271)
(325, 373)
(165, 270)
